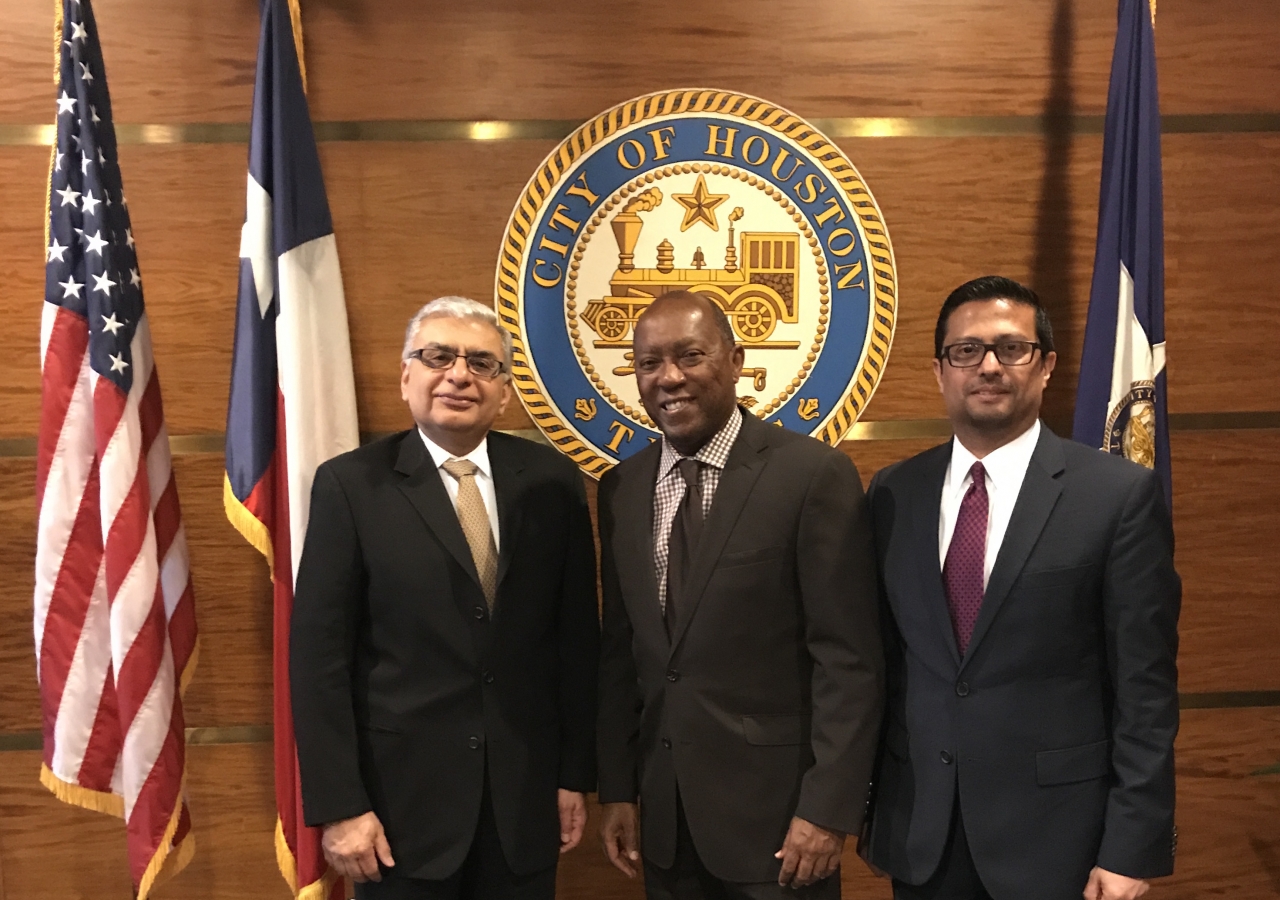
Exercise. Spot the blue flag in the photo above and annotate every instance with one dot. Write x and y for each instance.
(1120, 399)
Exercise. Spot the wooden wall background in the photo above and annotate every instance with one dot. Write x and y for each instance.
(416, 219)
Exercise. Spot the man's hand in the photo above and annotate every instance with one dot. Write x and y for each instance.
(573, 818)
(619, 832)
(810, 853)
(1104, 885)
(354, 846)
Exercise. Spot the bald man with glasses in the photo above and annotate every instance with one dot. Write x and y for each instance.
(445, 638)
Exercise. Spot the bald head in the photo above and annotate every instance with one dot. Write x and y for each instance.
(687, 302)
(687, 368)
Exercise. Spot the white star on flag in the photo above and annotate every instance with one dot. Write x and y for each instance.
(134, 278)
(55, 251)
(85, 162)
(90, 203)
(68, 196)
(66, 104)
(77, 32)
(96, 243)
(70, 288)
(85, 73)
(111, 323)
(128, 237)
(103, 283)
(117, 362)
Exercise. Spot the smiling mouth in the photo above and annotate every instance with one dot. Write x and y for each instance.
(675, 405)
(455, 400)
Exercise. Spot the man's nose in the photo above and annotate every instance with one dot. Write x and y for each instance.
(458, 372)
(990, 365)
(670, 373)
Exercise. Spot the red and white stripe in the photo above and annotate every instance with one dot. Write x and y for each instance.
(115, 624)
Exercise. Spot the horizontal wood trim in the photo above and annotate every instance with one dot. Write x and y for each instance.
(876, 430)
(263, 734)
(417, 131)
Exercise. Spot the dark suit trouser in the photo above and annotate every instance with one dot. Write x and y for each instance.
(688, 878)
(484, 874)
(956, 877)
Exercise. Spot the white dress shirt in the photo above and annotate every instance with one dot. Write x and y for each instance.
(484, 479)
(1006, 467)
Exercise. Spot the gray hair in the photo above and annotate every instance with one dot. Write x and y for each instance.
(458, 308)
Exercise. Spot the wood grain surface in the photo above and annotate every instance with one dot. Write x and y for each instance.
(500, 59)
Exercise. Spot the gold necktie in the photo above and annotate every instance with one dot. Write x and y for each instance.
(475, 525)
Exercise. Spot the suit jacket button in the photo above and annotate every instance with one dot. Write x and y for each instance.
(473, 742)
(945, 757)
(673, 675)
(479, 612)
(962, 689)
(488, 678)
(666, 743)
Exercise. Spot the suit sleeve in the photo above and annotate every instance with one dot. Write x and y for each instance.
(620, 701)
(837, 574)
(326, 613)
(579, 646)
(1142, 596)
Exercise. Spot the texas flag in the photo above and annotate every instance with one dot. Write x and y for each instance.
(1120, 400)
(293, 401)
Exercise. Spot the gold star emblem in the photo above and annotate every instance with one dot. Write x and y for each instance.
(700, 206)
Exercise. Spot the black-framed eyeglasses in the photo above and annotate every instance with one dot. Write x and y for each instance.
(442, 358)
(967, 354)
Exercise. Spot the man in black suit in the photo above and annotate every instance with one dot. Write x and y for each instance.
(445, 638)
(741, 671)
(1032, 610)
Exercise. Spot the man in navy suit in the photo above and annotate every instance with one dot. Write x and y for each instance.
(1031, 639)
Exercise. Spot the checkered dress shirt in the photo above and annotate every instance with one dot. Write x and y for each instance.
(670, 487)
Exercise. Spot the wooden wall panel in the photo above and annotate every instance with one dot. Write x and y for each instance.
(19, 700)
(1226, 494)
(956, 208)
(501, 59)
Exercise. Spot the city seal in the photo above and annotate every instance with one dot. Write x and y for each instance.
(708, 191)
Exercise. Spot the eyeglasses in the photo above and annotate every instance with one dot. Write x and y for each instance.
(967, 354)
(442, 358)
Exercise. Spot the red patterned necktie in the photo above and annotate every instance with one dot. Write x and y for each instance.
(962, 572)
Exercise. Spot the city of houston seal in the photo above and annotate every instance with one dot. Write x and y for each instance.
(717, 193)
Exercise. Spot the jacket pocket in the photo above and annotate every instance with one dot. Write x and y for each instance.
(1083, 763)
(747, 557)
(775, 731)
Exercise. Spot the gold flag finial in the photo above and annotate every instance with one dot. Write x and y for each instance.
(1153, 13)
(295, 19)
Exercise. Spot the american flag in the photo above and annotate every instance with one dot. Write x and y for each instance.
(293, 398)
(115, 628)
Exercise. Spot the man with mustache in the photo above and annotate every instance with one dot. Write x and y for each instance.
(445, 638)
(741, 671)
(1031, 612)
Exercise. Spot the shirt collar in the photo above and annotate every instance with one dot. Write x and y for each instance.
(1005, 466)
(479, 456)
(714, 452)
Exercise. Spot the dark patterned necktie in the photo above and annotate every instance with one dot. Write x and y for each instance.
(966, 557)
(686, 528)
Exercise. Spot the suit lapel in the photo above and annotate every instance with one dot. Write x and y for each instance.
(926, 521)
(423, 487)
(507, 470)
(742, 469)
(1039, 494)
(633, 521)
